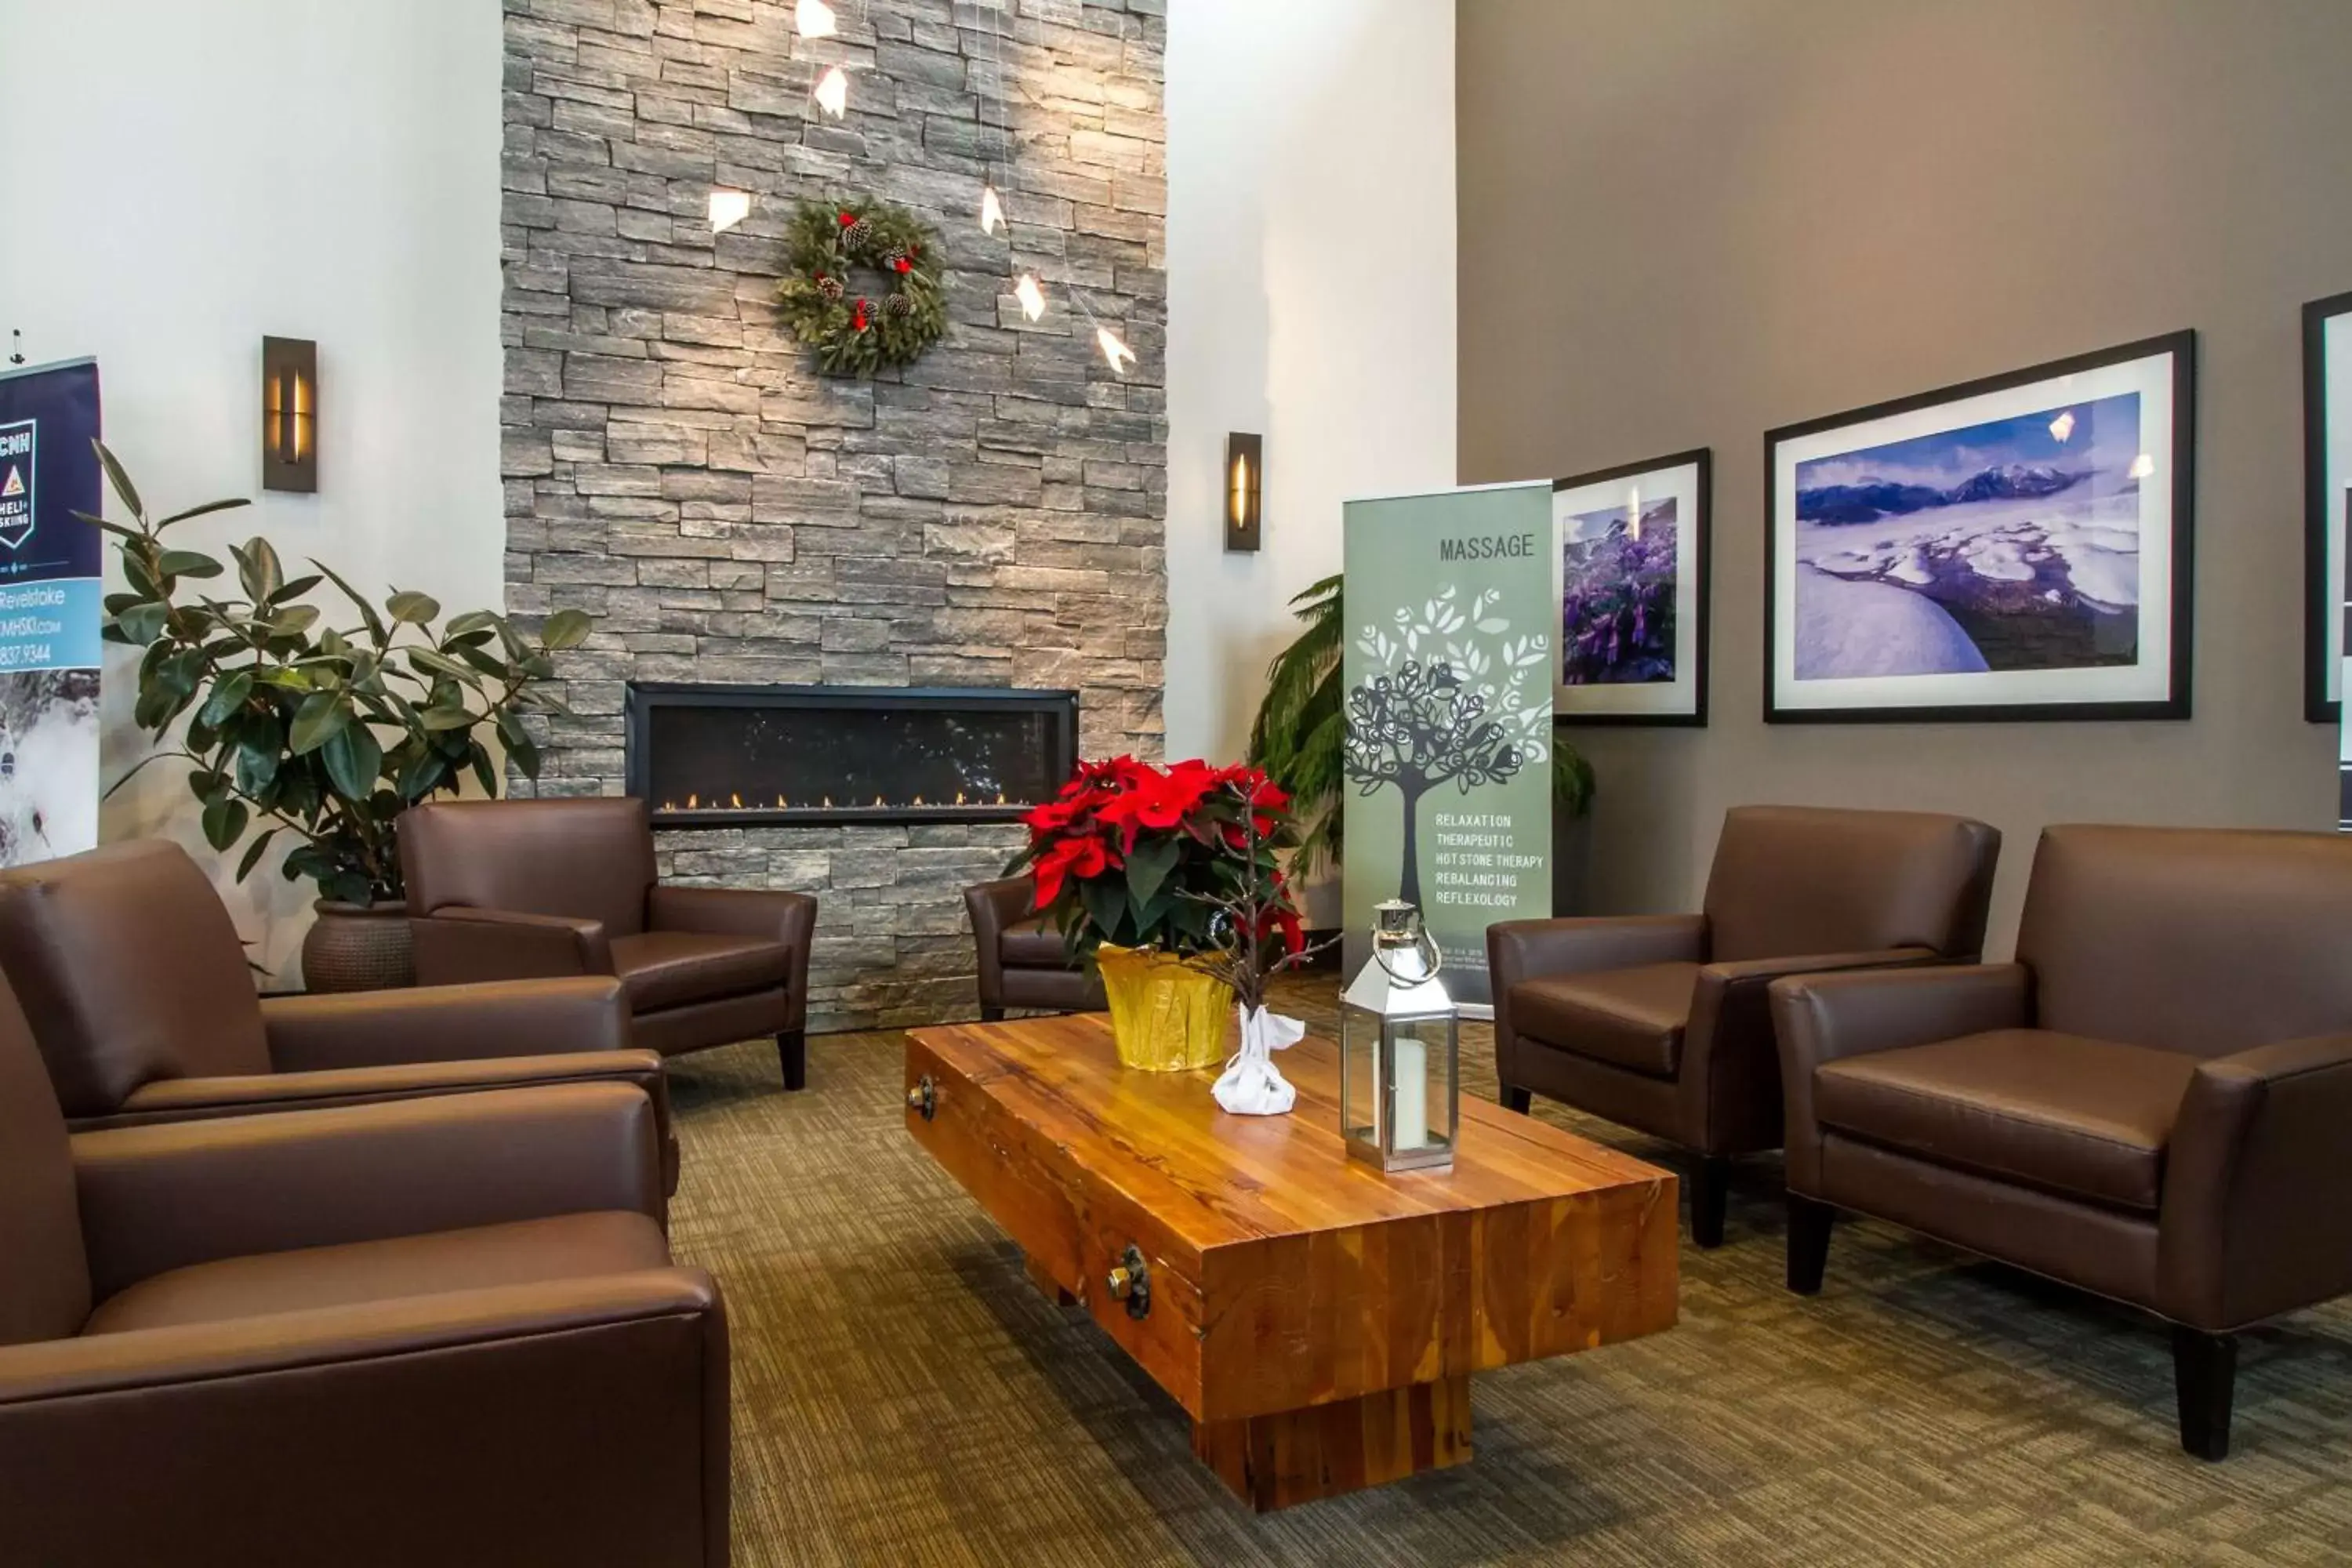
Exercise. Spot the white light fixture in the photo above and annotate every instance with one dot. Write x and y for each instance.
(1031, 298)
(815, 18)
(728, 209)
(833, 91)
(1113, 350)
(991, 211)
(1633, 512)
(2142, 466)
(2062, 427)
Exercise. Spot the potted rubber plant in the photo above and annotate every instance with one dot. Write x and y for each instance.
(320, 732)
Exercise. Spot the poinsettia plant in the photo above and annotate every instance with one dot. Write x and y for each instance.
(1178, 859)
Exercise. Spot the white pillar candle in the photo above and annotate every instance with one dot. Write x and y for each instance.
(1410, 1096)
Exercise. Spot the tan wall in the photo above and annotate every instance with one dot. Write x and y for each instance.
(1687, 222)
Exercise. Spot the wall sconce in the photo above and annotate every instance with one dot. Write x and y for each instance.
(289, 414)
(1245, 486)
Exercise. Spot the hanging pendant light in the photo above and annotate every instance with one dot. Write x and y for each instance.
(815, 19)
(1031, 298)
(1113, 349)
(833, 91)
(991, 211)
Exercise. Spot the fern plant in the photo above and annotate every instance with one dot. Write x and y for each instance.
(1300, 735)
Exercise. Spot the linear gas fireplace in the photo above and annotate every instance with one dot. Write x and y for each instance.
(733, 757)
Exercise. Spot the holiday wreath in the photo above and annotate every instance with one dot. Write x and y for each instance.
(856, 330)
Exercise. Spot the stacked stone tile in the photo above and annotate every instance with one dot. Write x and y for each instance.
(990, 516)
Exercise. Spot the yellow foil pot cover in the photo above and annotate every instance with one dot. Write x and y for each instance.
(1165, 1015)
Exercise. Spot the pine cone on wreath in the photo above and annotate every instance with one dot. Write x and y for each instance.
(857, 236)
(900, 306)
(829, 286)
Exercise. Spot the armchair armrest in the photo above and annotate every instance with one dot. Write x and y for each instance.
(1729, 1056)
(459, 943)
(772, 914)
(446, 1022)
(164, 1197)
(185, 1098)
(1520, 950)
(995, 908)
(616, 1385)
(1819, 1018)
(2257, 1207)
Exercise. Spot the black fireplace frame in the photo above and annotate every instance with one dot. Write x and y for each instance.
(645, 697)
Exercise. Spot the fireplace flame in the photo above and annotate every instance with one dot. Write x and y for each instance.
(692, 802)
(738, 800)
(959, 797)
(999, 798)
(918, 800)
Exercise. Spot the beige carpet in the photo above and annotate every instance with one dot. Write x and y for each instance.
(904, 1396)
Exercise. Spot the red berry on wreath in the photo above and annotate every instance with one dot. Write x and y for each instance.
(905, 265)
(847, 218)
(857, 321)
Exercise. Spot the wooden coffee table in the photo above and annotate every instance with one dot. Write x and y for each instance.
(1318, 1320)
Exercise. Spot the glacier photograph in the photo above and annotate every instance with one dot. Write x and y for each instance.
(2009, 545)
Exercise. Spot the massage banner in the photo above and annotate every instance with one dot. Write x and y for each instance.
(50, 612)
(1452, 636)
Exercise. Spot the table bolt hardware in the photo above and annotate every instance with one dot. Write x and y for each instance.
(1131, 1281)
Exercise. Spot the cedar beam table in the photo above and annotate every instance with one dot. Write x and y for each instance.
(1318, 1320)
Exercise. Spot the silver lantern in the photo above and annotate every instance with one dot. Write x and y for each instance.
(1399, 1050)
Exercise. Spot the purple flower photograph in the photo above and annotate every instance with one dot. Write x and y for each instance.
(1617, 599)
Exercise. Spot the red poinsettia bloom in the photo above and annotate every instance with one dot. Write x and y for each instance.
(1079, 858)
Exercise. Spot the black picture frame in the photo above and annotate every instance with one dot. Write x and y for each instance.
(2181, 613)
(1702, 538)
(2326, 597)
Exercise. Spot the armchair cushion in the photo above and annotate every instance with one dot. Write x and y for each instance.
(1035, 945)
(1628, 1017)
(2083, 1118)
(674, 968)
(524, 1252)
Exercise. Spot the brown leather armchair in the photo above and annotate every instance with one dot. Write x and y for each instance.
(1023, 962)
(446, 1330)
(502, 888)
(136, 986)
(2151, 1104)
(1662, 1022)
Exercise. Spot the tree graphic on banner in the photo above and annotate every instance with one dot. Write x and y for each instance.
(1440, 708)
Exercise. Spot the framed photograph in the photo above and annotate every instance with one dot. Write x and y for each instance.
(2326, 502)
(2013, 548)
(1632, 564)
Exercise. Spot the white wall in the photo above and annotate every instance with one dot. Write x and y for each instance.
(1311, 299)
(184, 179)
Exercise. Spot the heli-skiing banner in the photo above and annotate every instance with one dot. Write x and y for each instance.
(1452, 645)
(49, 611)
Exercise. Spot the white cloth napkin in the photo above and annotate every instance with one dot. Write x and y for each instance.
(1250, 1085)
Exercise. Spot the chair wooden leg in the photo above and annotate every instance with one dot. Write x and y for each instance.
(1710, 1192)
(2205, 1369)
(1808, 1243)
(1519, 1099)
(792, 1050)
(988, 1015)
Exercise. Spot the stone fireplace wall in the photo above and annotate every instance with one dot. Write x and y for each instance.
(989, 516)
